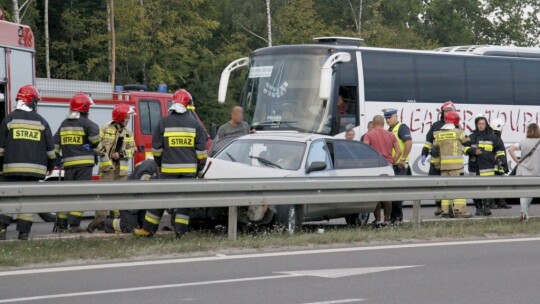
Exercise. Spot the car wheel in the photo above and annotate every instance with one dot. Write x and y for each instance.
(48, 217)
(290, 217)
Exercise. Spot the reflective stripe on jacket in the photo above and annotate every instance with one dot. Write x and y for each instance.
(179, 144)
(110, 135)
(70, 138)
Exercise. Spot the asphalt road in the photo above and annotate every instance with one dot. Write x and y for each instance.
(43, 230)
(488, 271)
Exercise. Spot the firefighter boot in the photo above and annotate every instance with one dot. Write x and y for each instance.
(61, 223)
(501, 203)
(478, 206)
(445, 208)
(142, 232)
(23, 236)
(181, 222)
(3, 233)
(485, 207)
(439, 210)
(460, 208)
(97, 223)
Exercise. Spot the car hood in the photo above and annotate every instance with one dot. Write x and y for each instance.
(227, 169)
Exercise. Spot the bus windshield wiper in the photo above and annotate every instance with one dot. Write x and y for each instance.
(230, 156)
(288, 123)
(265, 162)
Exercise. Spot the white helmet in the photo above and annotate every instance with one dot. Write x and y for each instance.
(497, 124)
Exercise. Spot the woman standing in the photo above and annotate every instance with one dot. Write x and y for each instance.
(529, 163)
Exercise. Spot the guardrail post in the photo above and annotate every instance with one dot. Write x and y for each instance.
(233, 222)
(416, 213)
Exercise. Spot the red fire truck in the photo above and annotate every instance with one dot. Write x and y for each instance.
(17, 68)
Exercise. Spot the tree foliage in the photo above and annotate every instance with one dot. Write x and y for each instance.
(187, 43)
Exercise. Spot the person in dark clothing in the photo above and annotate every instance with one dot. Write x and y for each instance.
(426, 150)
(493, 152)
(74, 144)
(404, 138)
(26, 151)
(179, 149)
(133, 219)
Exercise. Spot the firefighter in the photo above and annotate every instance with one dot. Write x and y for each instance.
(179, 149)
(116, 149)
(404, 139)
(501, 168)
(426, 150)
(26, 151)
(75, 140)
(131, 219)
(493, 152)
(450, 142)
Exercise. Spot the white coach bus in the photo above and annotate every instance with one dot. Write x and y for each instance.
(322, 88)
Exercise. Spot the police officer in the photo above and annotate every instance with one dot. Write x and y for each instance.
(179, 148)
(132, 219)
(501, 167)
(26, 151)
(426, 150)
(75, 140)
(116, 149)
(493, 152)
(404, 139)
(450, 142)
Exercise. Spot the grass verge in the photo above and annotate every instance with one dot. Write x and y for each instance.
(83, 250)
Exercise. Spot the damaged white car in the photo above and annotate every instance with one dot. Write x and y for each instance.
(293, 154)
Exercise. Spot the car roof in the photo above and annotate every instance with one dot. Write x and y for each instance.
(283, 135)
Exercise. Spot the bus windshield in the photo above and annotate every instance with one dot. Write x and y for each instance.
(282, 92)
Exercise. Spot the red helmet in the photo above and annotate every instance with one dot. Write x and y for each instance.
(29, 94)
(121, 112)
(448, 104)
(80, 103)
(182, 101)
(452, 117)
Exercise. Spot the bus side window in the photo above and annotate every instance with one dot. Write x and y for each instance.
(347, 107)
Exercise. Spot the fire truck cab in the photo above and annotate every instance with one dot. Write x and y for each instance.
(17, 54)
(150, 107)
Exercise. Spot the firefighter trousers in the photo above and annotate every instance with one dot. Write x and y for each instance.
(112, 175)
(433, 171)
(180, 216)
(458, 205)
(73, 218)
(129, 220)
(24, 220)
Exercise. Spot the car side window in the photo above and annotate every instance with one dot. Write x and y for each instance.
(318, 152)
(354, 154)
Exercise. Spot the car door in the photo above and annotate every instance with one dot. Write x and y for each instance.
(319, 152)
(354, 158)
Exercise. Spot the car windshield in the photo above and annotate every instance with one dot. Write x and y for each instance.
(282, 92)
(265, 153)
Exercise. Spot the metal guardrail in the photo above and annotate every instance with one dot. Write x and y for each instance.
(232, 193)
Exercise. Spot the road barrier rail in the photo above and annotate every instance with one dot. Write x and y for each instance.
(232, 193)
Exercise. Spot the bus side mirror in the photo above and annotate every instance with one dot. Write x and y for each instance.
(224, 81)
(325, 89)
(2, 98)
(213, 131)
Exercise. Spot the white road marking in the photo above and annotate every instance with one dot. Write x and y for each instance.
(261, 255)
(323, 273)
(345, 272)
(338, 301)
